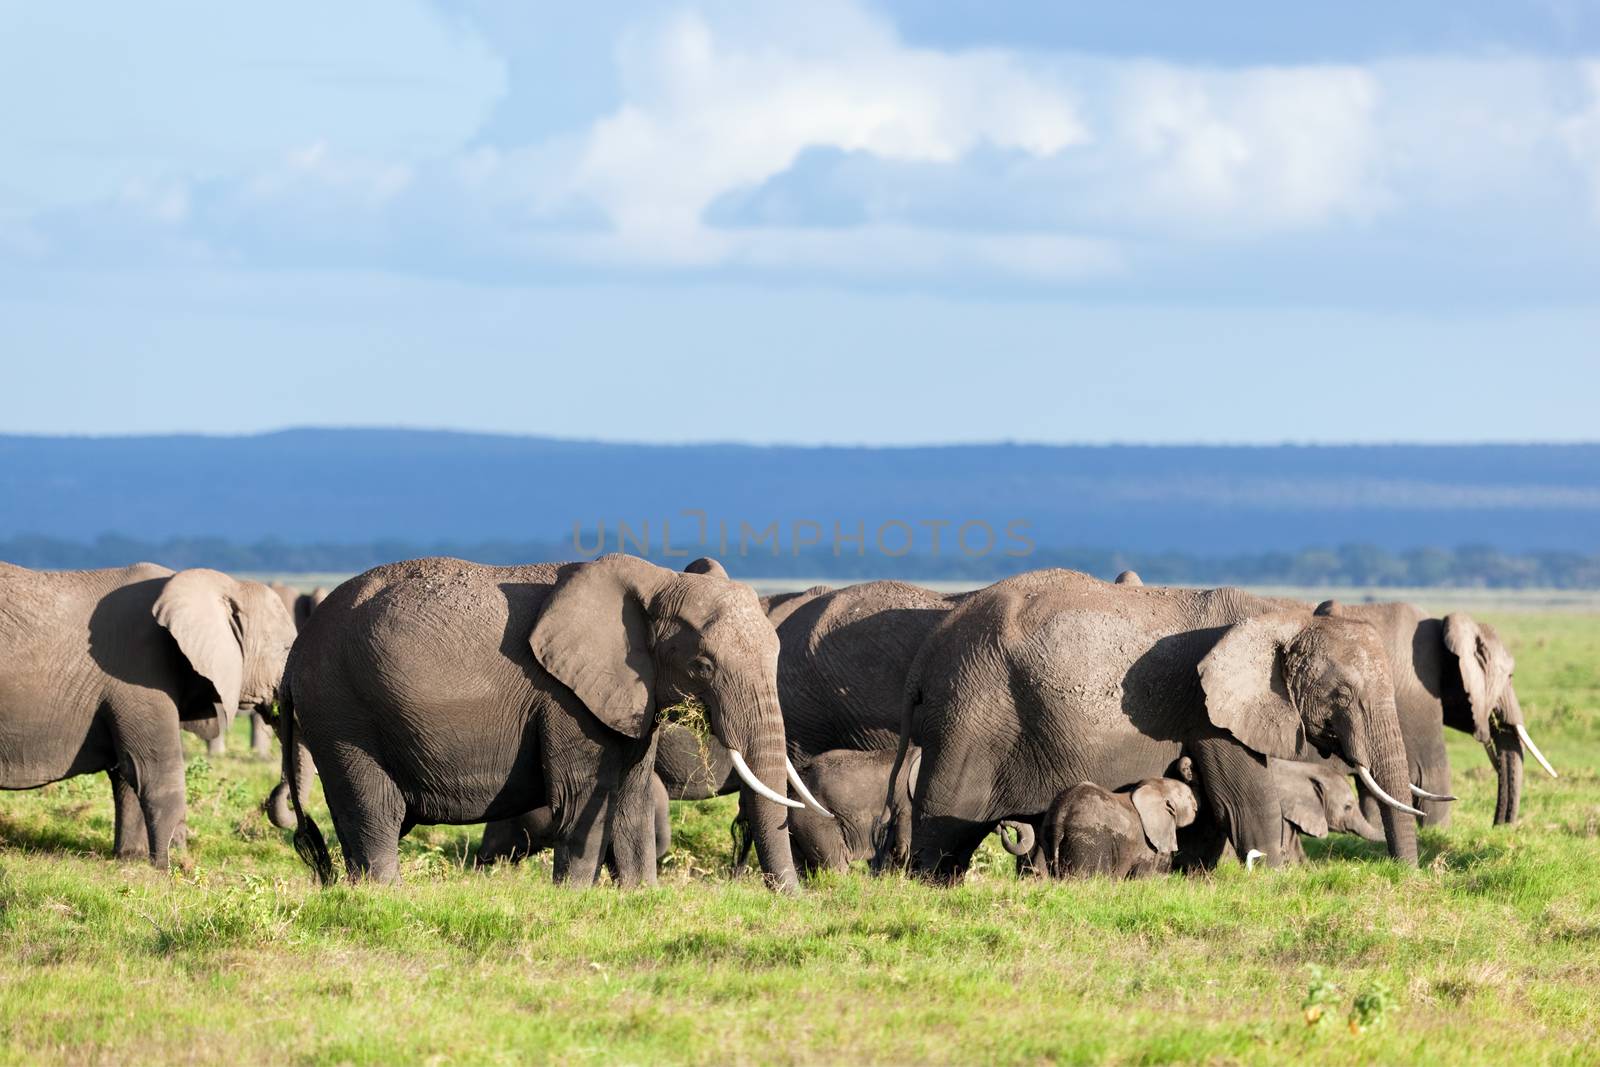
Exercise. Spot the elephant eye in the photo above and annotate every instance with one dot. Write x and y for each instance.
(700, 667)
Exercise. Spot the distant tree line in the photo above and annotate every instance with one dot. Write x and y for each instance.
(1354, 565)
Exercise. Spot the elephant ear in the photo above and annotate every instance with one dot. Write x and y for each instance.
(198, 610)
(1304, 806)
(593, 637)
(1156, 815)
(1243, 680)
(1466, 641)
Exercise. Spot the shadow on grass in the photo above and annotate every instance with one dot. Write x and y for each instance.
(1433, 850)
(57, 837)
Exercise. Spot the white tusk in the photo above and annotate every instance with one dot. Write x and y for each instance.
(1418, 791)
(755, 783)
(1251, 857)
(800, 787)
(1527, 743)
(1377, 791)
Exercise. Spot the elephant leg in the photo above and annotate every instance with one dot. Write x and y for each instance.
(218, 746)
(583, 838)
(130, 839)
(663, 825)
(1241, 797)
(369, 815)
(633, 832)
(260, 737)
(950, 813)
(150, 758)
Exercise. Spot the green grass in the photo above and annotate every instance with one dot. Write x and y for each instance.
(1489, 953)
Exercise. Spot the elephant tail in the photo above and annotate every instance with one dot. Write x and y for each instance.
(309, 843)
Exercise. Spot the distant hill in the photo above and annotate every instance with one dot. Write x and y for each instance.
(418, 487)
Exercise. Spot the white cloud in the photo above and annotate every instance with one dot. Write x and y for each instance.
(1262, 149)
(708, 111)
(344, 146)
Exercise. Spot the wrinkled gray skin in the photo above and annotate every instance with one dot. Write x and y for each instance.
(1130, 833)
(439, 691)
(101, 670)
(1317, 800)
(513, 840)
(852, 786)
(1453, 672)
(1053, 678)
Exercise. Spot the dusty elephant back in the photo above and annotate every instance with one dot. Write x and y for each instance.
(433, 649)
(844, 660)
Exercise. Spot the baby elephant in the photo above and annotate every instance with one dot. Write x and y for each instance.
(513, 840)
(852, 786)
(1317, 799)
(1129, 833)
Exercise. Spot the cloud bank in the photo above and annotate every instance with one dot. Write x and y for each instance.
(777, 141)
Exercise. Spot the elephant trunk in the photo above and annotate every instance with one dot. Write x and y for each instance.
(756, 740)
(1505, 752)
(1390, 775)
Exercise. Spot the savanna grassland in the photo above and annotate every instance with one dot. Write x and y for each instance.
(1489, 953)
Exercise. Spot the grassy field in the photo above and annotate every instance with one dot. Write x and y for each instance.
(1489, 953)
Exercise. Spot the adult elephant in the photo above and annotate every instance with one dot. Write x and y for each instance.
(1054, 677)
(101, 670)
(1452, 671)
(441, 691)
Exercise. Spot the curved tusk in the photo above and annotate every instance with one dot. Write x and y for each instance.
(800, 787)
(1251, 857)
(1418, 791)
(749, 778)
(1527, 743)
(1377, 791)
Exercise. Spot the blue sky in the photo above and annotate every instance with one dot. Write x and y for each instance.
(830, 222)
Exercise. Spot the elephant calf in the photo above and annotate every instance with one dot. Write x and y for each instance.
(851, 786)
(1318, 799)
(513, 840)
(1129, 833)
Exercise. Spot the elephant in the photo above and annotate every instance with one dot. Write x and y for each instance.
(1452, 671)
(1052, 677)
(300, 606)
(439, 691)
(851, 786)
(102, 669)
(512, 840)
(1129, 578)
(1128, 833)
(1317, 800)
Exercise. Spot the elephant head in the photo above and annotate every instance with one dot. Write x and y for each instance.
(1485, 705)
(1317, 799)
(630, 638)
(1164, 805)
(1285, 683)
(1129, 578)
(234, 635)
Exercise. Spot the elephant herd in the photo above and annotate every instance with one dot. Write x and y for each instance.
(1099, 727)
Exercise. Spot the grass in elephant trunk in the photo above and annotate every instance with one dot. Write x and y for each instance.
(1489, 953)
